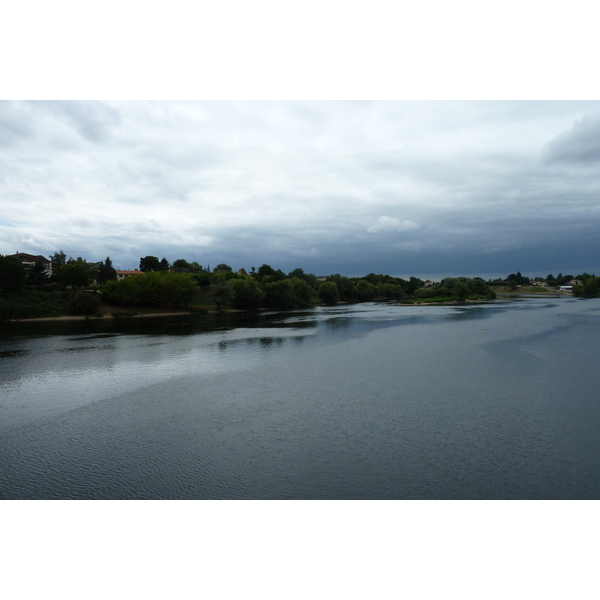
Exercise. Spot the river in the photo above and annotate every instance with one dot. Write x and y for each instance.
(366, 401)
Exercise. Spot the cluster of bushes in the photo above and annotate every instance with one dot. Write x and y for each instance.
(516, 279)
(589, 289)
(83, 303)
(456, 288)
(273, 289)
(152, 289)
(35, 304)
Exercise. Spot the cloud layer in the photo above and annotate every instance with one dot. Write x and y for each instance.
(350, 187)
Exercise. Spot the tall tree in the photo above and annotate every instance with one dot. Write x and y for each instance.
(12, 273)
(106, 271)
(58, 259)
(181, 263)
(149, 263)
(221, 292)
(247, 293)
(328, 292)
(222, 267)
(74, 275)
(37, 274)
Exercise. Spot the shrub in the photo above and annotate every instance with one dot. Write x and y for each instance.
(365, 291)
(151, 289)
(280, 294)
(248, 294)
(328, 292)
(84, 303)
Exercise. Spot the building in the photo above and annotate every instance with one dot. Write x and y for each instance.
(124, 274)
(29, 260)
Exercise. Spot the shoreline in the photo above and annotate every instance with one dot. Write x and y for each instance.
(213, 311)
(208, 311)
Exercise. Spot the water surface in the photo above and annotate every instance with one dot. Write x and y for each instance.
(366, 401)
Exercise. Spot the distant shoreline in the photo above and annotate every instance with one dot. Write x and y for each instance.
(213, 311)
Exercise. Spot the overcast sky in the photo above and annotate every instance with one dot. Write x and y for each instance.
(407, 187)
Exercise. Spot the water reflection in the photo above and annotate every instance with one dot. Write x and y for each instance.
(368, 401)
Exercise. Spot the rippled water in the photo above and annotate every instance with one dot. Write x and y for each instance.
(368, 401)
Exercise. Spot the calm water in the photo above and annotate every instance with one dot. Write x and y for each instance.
(368, 401)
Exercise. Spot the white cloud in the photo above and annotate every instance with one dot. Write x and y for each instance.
(295, 184)
(391, 225)
(31, 242)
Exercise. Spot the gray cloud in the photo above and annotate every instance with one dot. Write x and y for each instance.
(580, 143)
(350, 187)
(93, 121)
(390, 224)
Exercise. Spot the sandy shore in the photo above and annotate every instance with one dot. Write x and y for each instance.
(137, 316)
(91, 318)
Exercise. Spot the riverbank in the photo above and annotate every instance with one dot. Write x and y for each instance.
(444, 302)
(530, 290)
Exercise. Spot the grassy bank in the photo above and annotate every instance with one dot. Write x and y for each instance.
(33, 304)
(444, 299)
(525, 289)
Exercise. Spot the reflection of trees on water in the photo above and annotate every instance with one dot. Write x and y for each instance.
(338, 323)
(269, 341)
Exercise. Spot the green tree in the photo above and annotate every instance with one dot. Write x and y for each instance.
(180, 263)
(267, 274)
(328, 292)
(461, 289)
(248, 294)
(299, 273)
(151, 289)
(58, 259)
(590, 289)
(221, 291)
(365, 291)
(266, 270)
(12, 273)
(346, 288)
(413, 284)
(149, 264)
(37, 274)
(164, 264)
(202, 279)
(84, 303)
(222, 267)
(280, 294)
(302, 292)
(74, 275)
(106, 271)
(194, 267)
(394, 291)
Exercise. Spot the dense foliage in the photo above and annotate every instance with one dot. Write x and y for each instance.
(84, 303)
(33, 304)
(12, 273)
(196, 287)
(151, 289)
(456, 288)
(590, 287)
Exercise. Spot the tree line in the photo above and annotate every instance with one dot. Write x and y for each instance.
(588, 288)
(183, 283)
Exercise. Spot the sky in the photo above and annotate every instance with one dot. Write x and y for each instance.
(400, 187)
(326, 135)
